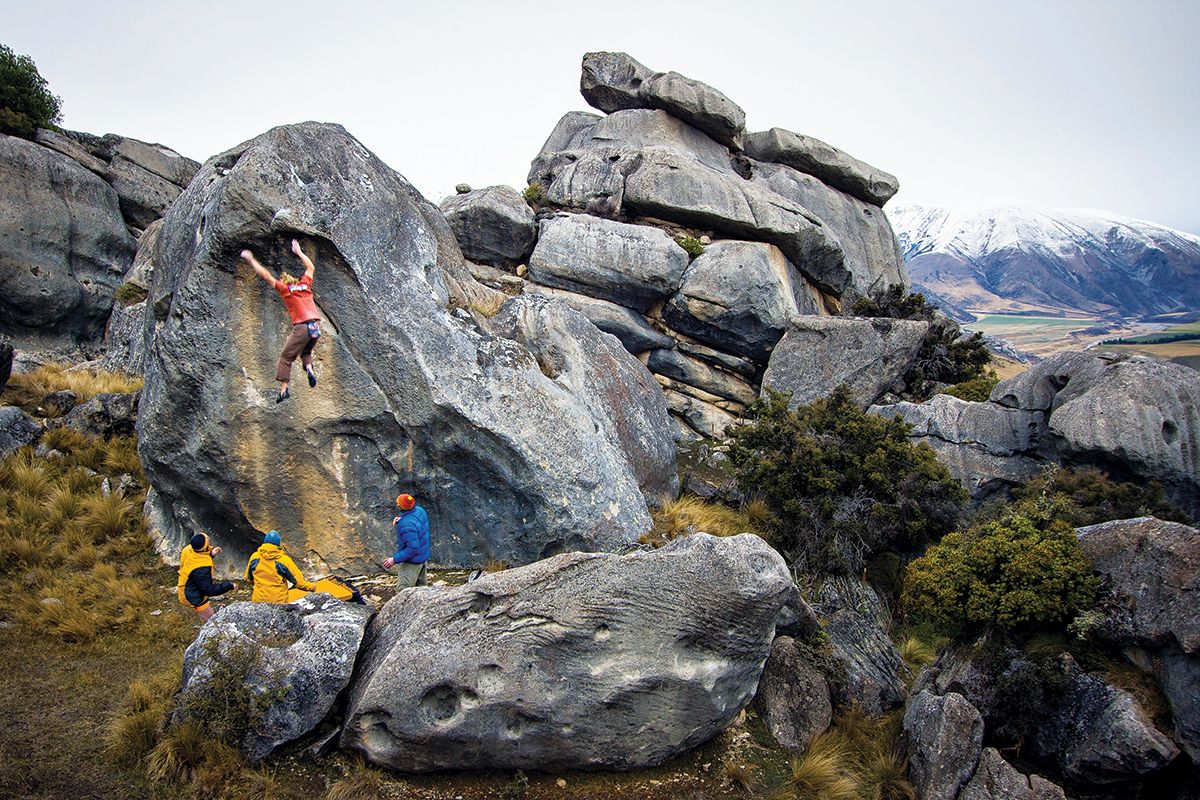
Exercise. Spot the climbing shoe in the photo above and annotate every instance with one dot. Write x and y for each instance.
(312, 377)
(284, 395)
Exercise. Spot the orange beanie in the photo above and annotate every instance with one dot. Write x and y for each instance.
(406, 502)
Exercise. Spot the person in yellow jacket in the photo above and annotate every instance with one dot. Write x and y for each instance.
(273, 574)
(196, 582)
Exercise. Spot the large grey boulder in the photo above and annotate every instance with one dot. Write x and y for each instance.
(1133, 413)
(739, 297)
(571, 132)
(945, 734)
(619, 390)
(818, 354)
(17, 429)
(858, 626)
(615, 81)
(676, 365)
(144, 196)
(630, 327)
(996, 779)
(71, 149)
(872, 254)
(560, 665)
(415, 393)
(493, 225)
(700, 416)
(302, 653)
(1179, 677)
(63, 248)
(632, 265)
(832, 166)
(1151, 570)
(105, 415)
(1099, 734)
(793, 696)
(637, 129)
(156, 159)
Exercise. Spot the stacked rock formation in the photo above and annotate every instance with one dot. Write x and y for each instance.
(781, 227)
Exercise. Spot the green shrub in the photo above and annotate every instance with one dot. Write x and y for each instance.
(691, 244)
(945, 355)
(129, 294)
(1017, 572)
(236, 694)
(976, 389)
(1087, 496)
(535, 195)
(841, 484)
(26, 103)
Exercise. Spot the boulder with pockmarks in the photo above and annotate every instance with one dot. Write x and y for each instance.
(581, 661)
(493, 225)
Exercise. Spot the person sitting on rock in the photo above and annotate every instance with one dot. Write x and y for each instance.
(412, 543)
(195, 584)
(306, 320)
(273, 574)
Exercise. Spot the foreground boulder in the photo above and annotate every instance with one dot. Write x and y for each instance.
(581, 661)
(415, 393)
(300, 654)
(63, 248)
(945, 734)
(493, 225)
(105, 415)
(858, 625)
(17, 429)
(793, 696)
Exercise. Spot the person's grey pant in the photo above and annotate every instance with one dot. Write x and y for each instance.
(298, 344)
(409, 575)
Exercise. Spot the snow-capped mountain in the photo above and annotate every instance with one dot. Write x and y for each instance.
(1030, 259)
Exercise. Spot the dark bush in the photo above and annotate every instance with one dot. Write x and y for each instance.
(842, 484)
(26, 103)
(1088, 496)
(691, 244)
(977, 389)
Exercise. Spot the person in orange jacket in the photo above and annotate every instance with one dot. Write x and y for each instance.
(274, 575)
(195, 584)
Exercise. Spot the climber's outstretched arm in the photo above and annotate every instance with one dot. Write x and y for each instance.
(309, 266)
(262, 271)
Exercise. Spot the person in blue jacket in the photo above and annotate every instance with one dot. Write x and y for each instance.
(412, 543)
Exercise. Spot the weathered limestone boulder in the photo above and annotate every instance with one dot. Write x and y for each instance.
(144, 196)
(105, 415)
(858, 624)
(945, 735)
(1136, 414)
(493, 225)
(570, 133)
(694, 372)
(58, 403)
(637, 129)
(1179, 677)
(739, 297)
(1100, 734)
(17, 429)
(872, 255)
(743, 368)
(630, 327)
(985, 446)
(303, 652)
(63, 248)
(621, 393)
(559, 665)
(832, 166)
(793, 696)
(701, 417)
(71, 149)
(414, 393)
(996, 779)
(614, 81)
(632, 265)
(156, 159)
(126, 335)
(818, 354)
(1152, 571)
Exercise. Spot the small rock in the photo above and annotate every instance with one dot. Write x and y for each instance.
(49, 602)
(156, 612)
(463, 188)
(561, 783)
(522, 269)
(705, 240)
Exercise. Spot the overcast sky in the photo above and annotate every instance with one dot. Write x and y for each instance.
(1079, 104)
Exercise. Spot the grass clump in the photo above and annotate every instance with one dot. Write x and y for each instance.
(360, 783)
(976, 389)
(858, 758)
(841, 485)
(26, 389)
(689, 515)
(535, 195)
(691, 245)
(490, 306)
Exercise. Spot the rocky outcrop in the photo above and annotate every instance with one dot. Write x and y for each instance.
(63, 248)
(618, 389)
(631, 328)
(125, 337)
(301, 654)
(818, 354)
(823, 161)
(793, 696)
(1134, 416)
(562, 665)
(17, 429)
(105, 415)
(614, 82)
(945, 734)
(632, 265)
(693, 372)
(858, 626)
(996, 779)
(492, 226)
(415, 393)
(739, 297)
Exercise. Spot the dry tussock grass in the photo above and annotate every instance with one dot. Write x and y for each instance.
(689, 515)
(361, 783)
(27, 389)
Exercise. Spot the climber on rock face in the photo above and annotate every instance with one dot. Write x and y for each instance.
(412, 543)
(195, 584)
(273, 574)
(306, 324)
